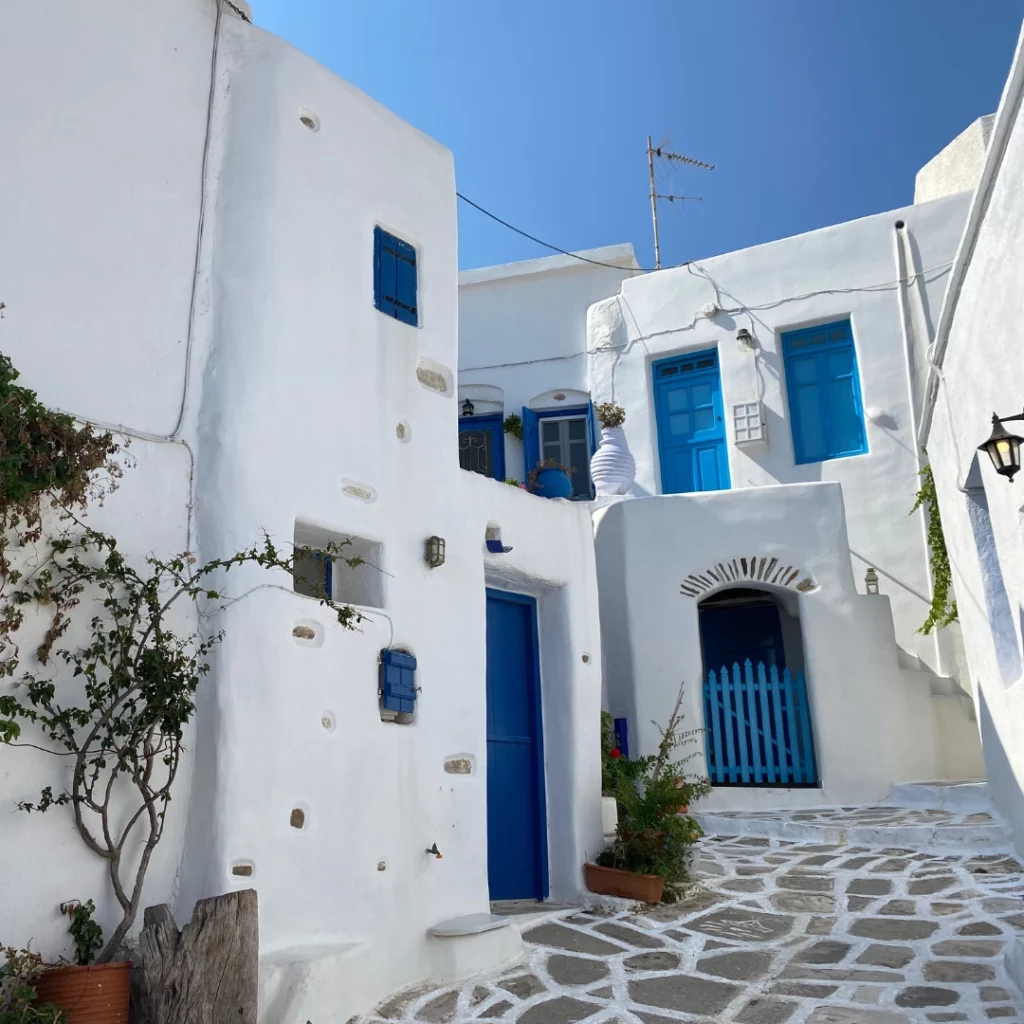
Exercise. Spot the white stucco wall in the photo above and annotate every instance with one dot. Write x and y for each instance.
(982, 371)
(846, 271)
(103, 137)
(298, 385)
(874, 724)
(958, 166)
(523, 328)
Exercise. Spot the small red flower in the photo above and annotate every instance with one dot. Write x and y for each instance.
(615, 752)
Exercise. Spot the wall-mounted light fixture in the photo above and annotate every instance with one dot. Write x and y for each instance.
(746, 339)
(1003, 447)
(871, 581)
(435, 552)
(467, 408)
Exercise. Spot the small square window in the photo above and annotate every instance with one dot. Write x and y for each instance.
(318, 574)
(394, 277)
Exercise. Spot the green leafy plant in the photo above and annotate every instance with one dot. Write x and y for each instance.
(615, 766)
(513, 425)
(512, 482)
(46, 461)
(531, 482)
(610, 414)
(18, 976)
(87, 934)
(652, 837)
(943, 609)
(127, 690)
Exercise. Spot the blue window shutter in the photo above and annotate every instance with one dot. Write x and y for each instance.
(595, 427)
(826, 412)
(398, 681)
(394, 277)
(531, 442)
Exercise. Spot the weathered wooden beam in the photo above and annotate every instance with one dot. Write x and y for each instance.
(208, 973)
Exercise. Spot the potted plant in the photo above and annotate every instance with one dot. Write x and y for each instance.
(86, 989)
(19, 998)
(550, 479)
(654, 842)
(612, 467)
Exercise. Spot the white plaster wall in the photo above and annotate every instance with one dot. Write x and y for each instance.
(522, 327)
(105, 113)
(872, 725)
(982, 372)
(103, 136)
(848, 270)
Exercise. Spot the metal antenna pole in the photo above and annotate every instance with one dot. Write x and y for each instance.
(654, 204)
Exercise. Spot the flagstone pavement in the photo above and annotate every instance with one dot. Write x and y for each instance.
(773, 932)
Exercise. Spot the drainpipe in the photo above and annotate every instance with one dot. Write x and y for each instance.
(1001, 131)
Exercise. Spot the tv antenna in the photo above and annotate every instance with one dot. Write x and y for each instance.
(664, 154)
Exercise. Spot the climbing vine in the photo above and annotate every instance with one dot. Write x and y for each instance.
(943, 610)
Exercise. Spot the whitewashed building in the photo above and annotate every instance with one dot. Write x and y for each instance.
(248, 267)
(977, 370)
(782, 384)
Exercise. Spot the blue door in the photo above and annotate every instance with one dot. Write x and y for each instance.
(691, 425)
(517, 854)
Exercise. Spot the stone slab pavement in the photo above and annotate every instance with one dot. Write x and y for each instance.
(773, 932)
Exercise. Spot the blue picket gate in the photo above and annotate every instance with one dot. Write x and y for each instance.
(758, 728)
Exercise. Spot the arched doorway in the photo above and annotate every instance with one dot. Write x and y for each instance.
(756, 711)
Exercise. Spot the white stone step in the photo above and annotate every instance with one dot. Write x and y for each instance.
(909, 828)
(966, 796)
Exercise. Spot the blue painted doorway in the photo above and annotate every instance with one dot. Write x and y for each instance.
(517, 848)
(691, 424)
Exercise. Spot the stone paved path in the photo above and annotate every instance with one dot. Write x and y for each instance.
(775, 932)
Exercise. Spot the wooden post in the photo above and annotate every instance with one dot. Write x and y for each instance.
(208, 973)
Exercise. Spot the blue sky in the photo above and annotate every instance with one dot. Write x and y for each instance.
(813, 111)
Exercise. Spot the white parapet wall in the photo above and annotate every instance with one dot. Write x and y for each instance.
(873, 726)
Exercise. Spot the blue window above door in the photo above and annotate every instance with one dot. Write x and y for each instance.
(825, 408)
(394, 277)
(566, 436)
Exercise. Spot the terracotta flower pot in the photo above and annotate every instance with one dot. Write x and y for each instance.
(613, 882)
(97, 994)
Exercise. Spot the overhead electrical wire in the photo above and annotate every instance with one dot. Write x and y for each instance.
(548, 245)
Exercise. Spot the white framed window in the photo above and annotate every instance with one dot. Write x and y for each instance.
(566, 440)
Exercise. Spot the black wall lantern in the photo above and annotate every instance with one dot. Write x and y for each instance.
(1003, 447)
(467, 408)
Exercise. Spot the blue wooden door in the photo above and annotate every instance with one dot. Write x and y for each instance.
(517, 856)
(691, 424)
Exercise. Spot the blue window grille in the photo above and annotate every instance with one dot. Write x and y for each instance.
(397, 681)
(572, 446)
(482, 445)
(394, 277)
(825, 408)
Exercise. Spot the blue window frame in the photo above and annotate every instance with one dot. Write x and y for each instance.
(482, 445)
(825, 408)
(394, 277)
(571, 443)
